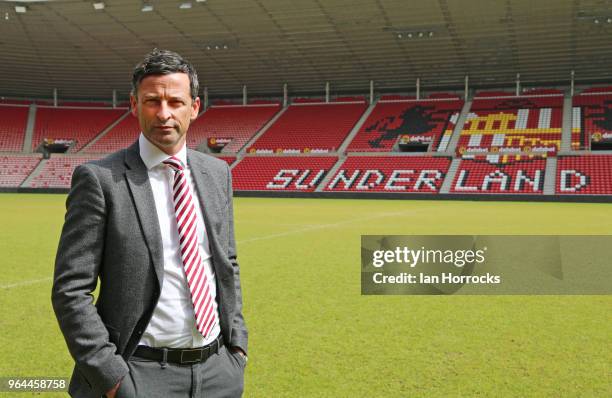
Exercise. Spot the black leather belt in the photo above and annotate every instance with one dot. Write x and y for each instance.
(181, 356)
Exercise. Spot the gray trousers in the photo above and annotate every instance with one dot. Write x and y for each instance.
(220, 376)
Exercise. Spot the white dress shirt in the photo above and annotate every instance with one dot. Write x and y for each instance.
(173, 322)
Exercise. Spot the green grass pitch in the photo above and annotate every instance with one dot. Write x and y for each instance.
(311, 332)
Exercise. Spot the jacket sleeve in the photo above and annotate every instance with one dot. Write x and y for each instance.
(239, 330)
(77, 266)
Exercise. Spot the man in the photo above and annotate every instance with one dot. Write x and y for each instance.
(154, 222)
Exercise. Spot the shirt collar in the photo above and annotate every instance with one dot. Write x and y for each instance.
(153, 156)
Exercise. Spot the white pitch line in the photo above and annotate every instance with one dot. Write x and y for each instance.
(25, 283)
(295, 224)
(322, 226)
(272, 236)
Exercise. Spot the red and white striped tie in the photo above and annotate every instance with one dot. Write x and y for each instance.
(204, 305)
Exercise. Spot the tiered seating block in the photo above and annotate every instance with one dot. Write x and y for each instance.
(124, 134)
(14, 169)
(81, 125)
(13, 121)
(239, 123)
(584, 175)
(500, 175)
(513, 125)
(426, 121)
(396, 174)
(281, 173)
(310, 128)
(591, 117)
(58, 170)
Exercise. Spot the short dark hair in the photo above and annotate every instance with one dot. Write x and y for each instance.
(164, 62)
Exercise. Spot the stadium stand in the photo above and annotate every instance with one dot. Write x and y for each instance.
(122, 135)
(495, 174)
(12, 127)
(85, 104)
(263, 101)
(7, 101)
(400, 97)
(494, 94)
(500, 122)
(281, 173)
(81, 125)
(395, 117)
(57, 172)
(306, 100)
(15, 168)
(541, 92)
(390, 174)
(591, 117)
(518, 134)
(309, 128)
(353, 99)
(238, 123)
(221, 102)
(25, 102)
(584, 175)
(228, 159)
(597, 90)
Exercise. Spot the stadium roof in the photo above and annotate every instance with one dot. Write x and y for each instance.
(86, 51)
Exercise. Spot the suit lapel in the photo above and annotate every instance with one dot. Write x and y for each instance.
(142, 194)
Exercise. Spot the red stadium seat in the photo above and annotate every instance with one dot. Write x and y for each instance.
(584, 175)
(281, 173)
(513, 124)
(122, 135)
(310, 128)
(12, 127)
(422, 121)
(228, 159)
(396, 174)
(57, 172)
(499, 174)
(591, 117)
(82, 125)
(14, 169)
(239, 123)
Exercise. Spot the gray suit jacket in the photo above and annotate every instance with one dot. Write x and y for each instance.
(111, 232)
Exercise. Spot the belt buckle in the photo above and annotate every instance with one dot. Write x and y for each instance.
(191, 356)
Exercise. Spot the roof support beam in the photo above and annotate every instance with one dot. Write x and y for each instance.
(285, 95)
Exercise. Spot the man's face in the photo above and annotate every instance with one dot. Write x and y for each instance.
(164, 109)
